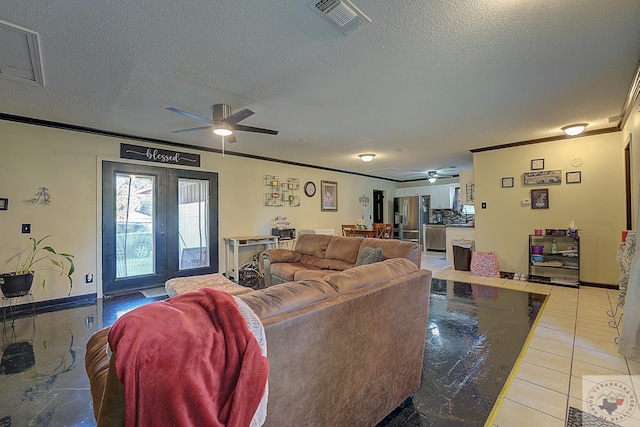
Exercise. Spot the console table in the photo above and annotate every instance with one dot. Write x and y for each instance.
(233, 245)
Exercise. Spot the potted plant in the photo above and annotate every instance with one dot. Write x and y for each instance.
(18, 283)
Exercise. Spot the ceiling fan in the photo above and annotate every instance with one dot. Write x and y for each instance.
(432, 176)
(224, 123)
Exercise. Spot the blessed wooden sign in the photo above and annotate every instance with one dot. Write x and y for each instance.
(157, 155)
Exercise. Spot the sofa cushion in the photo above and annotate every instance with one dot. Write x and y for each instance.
(325, 263)
(369, 275)
(369, 256)
(286, 297)
(313, 244)
(344, 248)
(287, 270)
(392, 248)
(312, 274)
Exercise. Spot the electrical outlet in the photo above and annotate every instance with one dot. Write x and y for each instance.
(88, 278)
(26, 228)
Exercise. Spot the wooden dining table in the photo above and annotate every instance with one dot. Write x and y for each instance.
(364, 232)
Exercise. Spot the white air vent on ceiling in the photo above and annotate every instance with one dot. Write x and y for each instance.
(341, 13)
(20, 54)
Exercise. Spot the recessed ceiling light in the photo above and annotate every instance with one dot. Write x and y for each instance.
(573, 130)
(366, 157)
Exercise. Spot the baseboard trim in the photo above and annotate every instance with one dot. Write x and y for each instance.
(54, 304)
(599, 285)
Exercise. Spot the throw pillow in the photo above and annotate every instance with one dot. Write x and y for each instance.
(369, 256)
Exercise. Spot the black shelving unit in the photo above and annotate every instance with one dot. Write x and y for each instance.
(559, 268)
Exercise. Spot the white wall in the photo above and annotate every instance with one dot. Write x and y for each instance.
(597, 205)
(68, 163)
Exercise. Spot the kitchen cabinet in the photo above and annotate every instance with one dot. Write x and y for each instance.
(556, 260)
(412, 191)
(442, 196)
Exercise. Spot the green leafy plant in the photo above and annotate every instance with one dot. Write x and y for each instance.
(39, 255)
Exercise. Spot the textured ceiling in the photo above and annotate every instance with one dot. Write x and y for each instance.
(421, 85)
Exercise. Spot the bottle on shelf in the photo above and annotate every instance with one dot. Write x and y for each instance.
(554, 247)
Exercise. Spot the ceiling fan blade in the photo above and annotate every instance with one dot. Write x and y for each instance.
(191, 129)
(253, 129)
(231, 138)
(238, 116)
(193, 116)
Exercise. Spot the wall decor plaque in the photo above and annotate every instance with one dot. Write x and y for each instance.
(158, 155)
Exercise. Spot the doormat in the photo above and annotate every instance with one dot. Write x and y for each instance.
(578, 418)
(154, 292)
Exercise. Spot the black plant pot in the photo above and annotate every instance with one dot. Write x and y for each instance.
(16, 285)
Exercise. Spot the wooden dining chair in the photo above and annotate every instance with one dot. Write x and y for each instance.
(348, 230)
(382, 231)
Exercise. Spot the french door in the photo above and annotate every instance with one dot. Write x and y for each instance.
(157, 223)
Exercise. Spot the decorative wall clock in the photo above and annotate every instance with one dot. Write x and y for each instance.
(309, 189)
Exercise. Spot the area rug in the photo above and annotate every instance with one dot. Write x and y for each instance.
(578, 418)
(154, 292)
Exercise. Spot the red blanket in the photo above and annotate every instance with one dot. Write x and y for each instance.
(188, 361)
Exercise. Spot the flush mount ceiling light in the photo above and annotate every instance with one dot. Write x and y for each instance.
(573, 130)
(366, 157)
(221, 129)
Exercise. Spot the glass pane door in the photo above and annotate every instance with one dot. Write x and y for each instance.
(157, 223)
(135, 242)
(193, 223)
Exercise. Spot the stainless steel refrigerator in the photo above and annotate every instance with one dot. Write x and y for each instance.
(410, 213)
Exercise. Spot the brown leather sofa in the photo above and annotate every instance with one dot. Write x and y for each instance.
(345, 350)
(316, 255)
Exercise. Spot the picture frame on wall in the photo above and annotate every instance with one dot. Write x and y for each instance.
(574, 177)
(329, 196)
(507, 182)
(543, 177)
(537, 164)
(540, 198)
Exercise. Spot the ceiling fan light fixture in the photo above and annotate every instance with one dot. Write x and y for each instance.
(573, 130)
(221, 129)
(432, 179)
(366, 157)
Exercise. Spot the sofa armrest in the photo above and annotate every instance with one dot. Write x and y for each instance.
(281, 255)
(107, 393)
(272, 256)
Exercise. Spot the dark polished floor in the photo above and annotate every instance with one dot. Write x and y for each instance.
(475, 336)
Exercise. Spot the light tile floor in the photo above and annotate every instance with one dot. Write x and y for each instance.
(572, 339)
